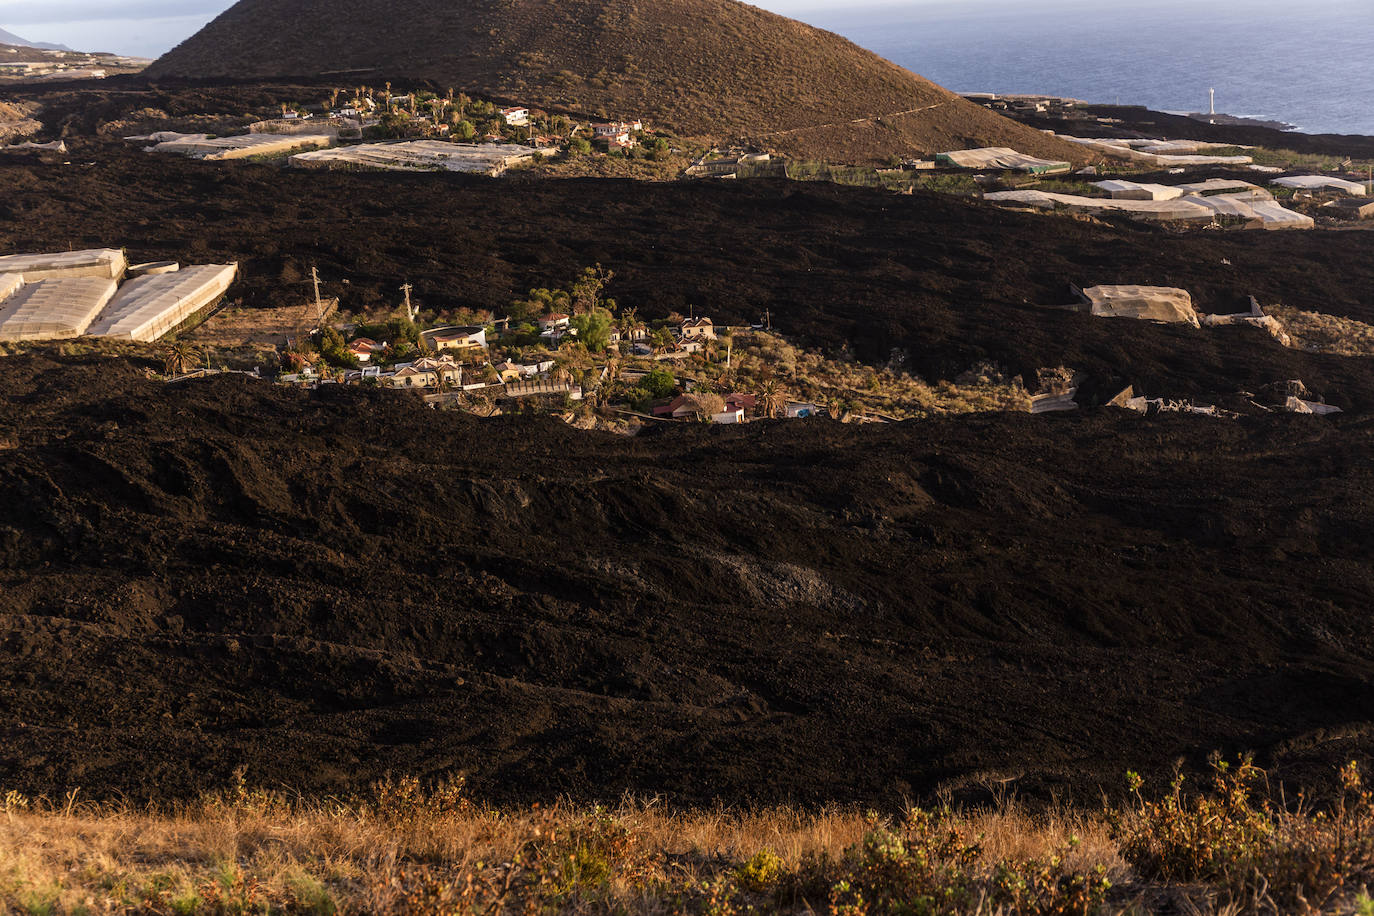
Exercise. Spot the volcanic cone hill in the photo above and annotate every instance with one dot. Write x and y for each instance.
(708, 68)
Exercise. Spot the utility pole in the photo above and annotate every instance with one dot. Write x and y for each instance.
(1213, 94)
(410, 312)
(319, 306)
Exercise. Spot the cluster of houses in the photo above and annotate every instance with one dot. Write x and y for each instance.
(450, 367)
(363, 111)
(42, 64)
(456, 360)
(689, 336)
(619, 135)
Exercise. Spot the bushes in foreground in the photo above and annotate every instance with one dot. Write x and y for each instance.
(406, 848)
(1261, 855)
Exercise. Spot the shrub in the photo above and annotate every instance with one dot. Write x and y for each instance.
(1183, 837)
(659, 383)
(761, 872)
(1292, 860)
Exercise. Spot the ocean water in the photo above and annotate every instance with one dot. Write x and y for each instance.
(1309, 64)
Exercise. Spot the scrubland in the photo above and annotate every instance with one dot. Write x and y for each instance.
(1229, 846)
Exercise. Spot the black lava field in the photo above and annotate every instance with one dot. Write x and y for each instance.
(323, 588)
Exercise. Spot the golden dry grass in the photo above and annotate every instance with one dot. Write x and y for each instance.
(848, 386)
(1321, 333)
(405, 849)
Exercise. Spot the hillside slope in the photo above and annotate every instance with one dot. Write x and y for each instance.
(9, 38)
(714, 68)
(944, 283)
(325, 587)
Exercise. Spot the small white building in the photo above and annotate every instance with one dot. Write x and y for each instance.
(626, 129)
(516, 117)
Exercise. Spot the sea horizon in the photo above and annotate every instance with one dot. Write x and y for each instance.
(1314, 71)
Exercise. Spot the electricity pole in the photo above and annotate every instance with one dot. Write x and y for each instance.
(319, 306)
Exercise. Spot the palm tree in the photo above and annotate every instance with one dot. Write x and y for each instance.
(179, 358)
(727, 381)
(772, 397)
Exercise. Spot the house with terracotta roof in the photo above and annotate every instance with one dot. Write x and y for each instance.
(677, 408)
(516, 117)
(697, 328)
(364, 348)
(739, 401)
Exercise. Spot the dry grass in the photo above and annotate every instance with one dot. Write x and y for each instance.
(848, 386)
(240, 327)
(1322, 333)
(404, 849)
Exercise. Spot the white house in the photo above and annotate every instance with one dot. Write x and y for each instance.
(516, 117)
(457, 338)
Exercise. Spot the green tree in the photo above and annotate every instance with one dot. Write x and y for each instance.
(589, 289)
(659, 383)
(540, 302)
(662, 339)
(397, 330)
(396, 126)
(593, 330)
(335, 352)
(657, 149)
(464, 130)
